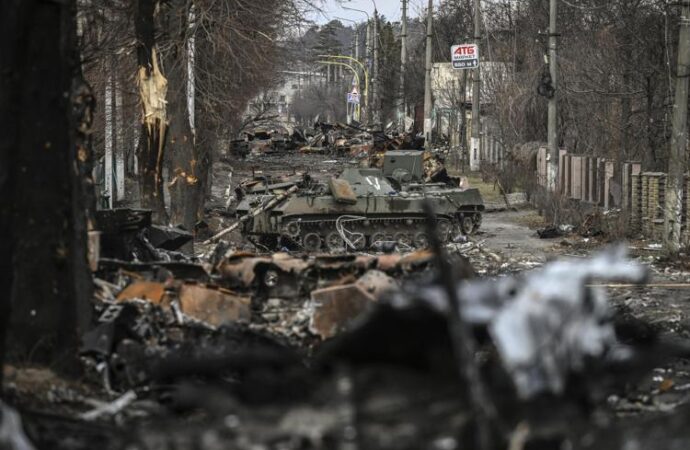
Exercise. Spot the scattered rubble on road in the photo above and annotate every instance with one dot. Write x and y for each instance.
(286, 350)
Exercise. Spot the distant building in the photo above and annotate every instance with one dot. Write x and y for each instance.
(277, 101)
(446, 82)
(451, 91)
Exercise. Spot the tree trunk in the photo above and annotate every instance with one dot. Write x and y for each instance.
(180, 143)
(206, 142)
(152, 90)
(649, 160)
(205, 124)
(44, 268)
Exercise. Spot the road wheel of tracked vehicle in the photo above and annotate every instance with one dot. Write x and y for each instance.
(291, 229)
(311, 242)
(467, 224)
(403, 239)
(444, 227)
(334, 242)
(358, 240)
(477, 223)
(375, 238)
(421, 240)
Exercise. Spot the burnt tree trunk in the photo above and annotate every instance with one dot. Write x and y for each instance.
(44, 271)
(180, 145)
(152, 90)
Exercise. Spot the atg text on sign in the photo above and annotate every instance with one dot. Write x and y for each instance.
(464, 56)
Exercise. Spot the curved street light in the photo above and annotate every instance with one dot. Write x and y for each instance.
(375, 89)
(356, 49)
(354, 71)
(358, 10)
(366, 77)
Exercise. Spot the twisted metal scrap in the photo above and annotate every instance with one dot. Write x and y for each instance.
(547, 322)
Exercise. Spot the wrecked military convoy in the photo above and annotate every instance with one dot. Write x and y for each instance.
(266, 136)
(363, 208)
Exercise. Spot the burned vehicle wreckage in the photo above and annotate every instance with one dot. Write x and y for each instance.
(362, 208)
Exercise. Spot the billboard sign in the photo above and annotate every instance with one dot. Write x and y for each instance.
(464, 56)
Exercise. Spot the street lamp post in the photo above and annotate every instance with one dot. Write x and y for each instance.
(365, 93)
(356, 47)
(354, 71)
(374, 69)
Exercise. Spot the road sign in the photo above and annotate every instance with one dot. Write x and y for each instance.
(353, 97)
(464, 56)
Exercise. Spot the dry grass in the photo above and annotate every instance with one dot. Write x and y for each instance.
(532, 219)
(490, 194)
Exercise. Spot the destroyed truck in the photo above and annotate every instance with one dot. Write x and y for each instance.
(362, 208)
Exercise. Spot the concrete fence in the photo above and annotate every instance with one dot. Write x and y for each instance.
(492, 150)
(606, 184)
(596, 181)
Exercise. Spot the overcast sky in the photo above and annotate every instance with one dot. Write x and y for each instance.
(389, 8)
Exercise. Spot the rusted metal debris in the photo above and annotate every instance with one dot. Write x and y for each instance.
(334, 308)
(331, 289)
(213, 305)
(283, 275)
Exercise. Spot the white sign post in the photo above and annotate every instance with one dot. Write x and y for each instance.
(464, 56)
(352, 98)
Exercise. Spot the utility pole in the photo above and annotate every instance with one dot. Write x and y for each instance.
(427, 79)
(463, 120)
(677, 159)
(402, 112)
(119, 119)
(552, 174)
(356, 42)
(367, 62)
(376, 107)
(475, 153)
(108, 141)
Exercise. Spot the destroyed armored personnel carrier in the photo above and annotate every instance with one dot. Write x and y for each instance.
(363, 208)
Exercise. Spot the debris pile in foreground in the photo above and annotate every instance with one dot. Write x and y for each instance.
(355, 351)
